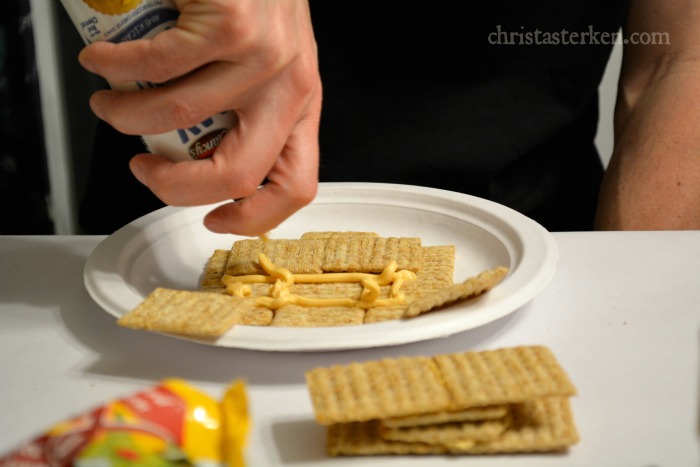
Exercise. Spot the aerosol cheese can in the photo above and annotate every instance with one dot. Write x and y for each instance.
(124, 20)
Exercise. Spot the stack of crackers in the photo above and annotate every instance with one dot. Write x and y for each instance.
(210, 311)
(509, 400)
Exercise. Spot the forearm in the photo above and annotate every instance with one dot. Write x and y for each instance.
(653, 179)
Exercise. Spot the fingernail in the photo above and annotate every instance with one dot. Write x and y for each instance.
(215, 226)
(137, 170)
(96, 107)
(85, 64)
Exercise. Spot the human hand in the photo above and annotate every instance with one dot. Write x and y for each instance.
(254, 57)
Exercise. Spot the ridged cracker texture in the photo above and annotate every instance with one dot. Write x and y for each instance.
(418, 385)
(186, 312)
(543, 425)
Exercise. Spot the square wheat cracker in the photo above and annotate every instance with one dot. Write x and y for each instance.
(214, 270)
(298, 256)
(376, 389)
(472, 287)
(298, 316)
(538, 426)
(362, 439)
(467, 415)
(420, 385)
(334, 234)
(436, 273)
(187, 312)
(446, 433)
(541, 425)
(371, 254)
(503, 376)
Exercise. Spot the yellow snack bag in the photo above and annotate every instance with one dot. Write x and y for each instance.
(170, 424)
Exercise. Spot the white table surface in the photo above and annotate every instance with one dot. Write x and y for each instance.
(622, 315)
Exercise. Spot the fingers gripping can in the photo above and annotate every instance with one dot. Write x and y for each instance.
(125, 20)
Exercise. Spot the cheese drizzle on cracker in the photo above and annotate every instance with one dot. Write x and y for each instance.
(282, 280)
(321, 279)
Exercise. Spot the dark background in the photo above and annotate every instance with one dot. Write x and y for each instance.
(25, 191)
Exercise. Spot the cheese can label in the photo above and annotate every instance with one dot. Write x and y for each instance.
(125, 20)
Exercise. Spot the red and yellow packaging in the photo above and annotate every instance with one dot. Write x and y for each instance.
(169, 424)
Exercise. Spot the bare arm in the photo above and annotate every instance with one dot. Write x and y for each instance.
(653, 180)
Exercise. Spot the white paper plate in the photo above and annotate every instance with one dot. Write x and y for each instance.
(169, 248)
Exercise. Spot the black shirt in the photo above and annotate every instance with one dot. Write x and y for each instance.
(498, 100)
